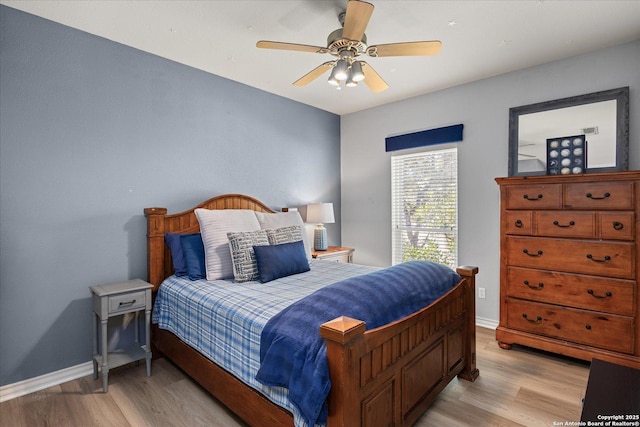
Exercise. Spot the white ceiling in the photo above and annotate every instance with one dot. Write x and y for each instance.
(480, 38)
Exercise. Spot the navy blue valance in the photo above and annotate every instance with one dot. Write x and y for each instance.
(424, 138)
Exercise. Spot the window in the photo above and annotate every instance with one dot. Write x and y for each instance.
(424, 203)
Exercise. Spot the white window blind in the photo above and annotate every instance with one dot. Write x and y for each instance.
(424, 197)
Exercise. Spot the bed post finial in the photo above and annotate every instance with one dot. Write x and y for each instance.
(155, 245)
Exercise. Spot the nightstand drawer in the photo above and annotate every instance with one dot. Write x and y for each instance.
(127, 302)
(338, 257)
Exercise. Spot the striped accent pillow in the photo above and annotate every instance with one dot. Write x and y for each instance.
(289, 234)
(242, 255)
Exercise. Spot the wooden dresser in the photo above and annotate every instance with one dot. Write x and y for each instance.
(569, 265)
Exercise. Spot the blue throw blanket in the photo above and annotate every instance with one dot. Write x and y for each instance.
(292, 353)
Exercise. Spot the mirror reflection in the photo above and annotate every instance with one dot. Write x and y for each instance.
(599, 120)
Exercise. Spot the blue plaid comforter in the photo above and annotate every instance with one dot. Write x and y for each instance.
(224, 320)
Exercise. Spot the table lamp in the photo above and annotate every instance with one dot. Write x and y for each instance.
(320, 213)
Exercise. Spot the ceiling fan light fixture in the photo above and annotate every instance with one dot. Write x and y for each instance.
(340, 70)
(332, 80)
(356, 73)
(350, 81)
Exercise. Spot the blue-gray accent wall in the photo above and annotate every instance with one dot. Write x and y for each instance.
(92, 132)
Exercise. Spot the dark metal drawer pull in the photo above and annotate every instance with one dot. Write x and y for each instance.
(557, 224)
(538, 287)
(588, 327)
(519, 223)
(127, 303)
(605, 259)
(607, 295)
(538, 319)
(618, 225)
(533, 199)
(592, 197)
(526, 251)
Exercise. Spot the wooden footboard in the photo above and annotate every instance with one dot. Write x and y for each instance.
(390, 375)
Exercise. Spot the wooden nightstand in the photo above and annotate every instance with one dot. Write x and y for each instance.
(116, 299)
(334, 253)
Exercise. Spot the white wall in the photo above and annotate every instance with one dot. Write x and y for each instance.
(483, 108)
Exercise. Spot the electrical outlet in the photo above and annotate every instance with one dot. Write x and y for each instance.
(481, 293)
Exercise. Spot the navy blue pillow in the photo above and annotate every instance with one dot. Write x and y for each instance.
(193, 250)
(275, 261)
(177, 256)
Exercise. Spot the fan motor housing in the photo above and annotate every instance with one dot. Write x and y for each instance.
(336, 43)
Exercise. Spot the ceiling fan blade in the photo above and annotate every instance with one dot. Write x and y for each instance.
(314, 74)
(425, 48)
(373, 79)
(266, 44)
(356, 19)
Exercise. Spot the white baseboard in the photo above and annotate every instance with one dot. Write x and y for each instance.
(486, 323)
(11, 391)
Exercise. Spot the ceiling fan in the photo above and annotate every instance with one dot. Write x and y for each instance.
(347, 44)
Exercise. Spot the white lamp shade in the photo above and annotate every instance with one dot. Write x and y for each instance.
(320, 213)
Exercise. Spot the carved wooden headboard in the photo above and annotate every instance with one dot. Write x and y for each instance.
(159, 264)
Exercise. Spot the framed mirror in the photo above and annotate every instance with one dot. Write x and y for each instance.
(602, 117)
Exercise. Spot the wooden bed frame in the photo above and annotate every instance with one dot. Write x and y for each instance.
(381, 377)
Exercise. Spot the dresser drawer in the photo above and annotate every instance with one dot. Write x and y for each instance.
(615, 296)
(617, 225)
(599, 195)
(612, 259)
(533, 196)
(122, 303)
(607, 331)
(519, 222)
(573, 224)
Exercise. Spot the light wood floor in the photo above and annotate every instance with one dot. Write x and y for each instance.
(519, 387)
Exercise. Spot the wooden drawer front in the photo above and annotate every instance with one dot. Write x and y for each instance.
(573, 256)
(607, 331)
(599, 195)
(589, 292)
(533, 196)
(519, 222)
(127, 302)
(566, 224)
(617, 225)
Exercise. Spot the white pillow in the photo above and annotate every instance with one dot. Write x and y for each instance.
(284, 219)
(214, 226)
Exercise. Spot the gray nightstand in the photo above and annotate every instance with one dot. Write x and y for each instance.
(115, 299)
